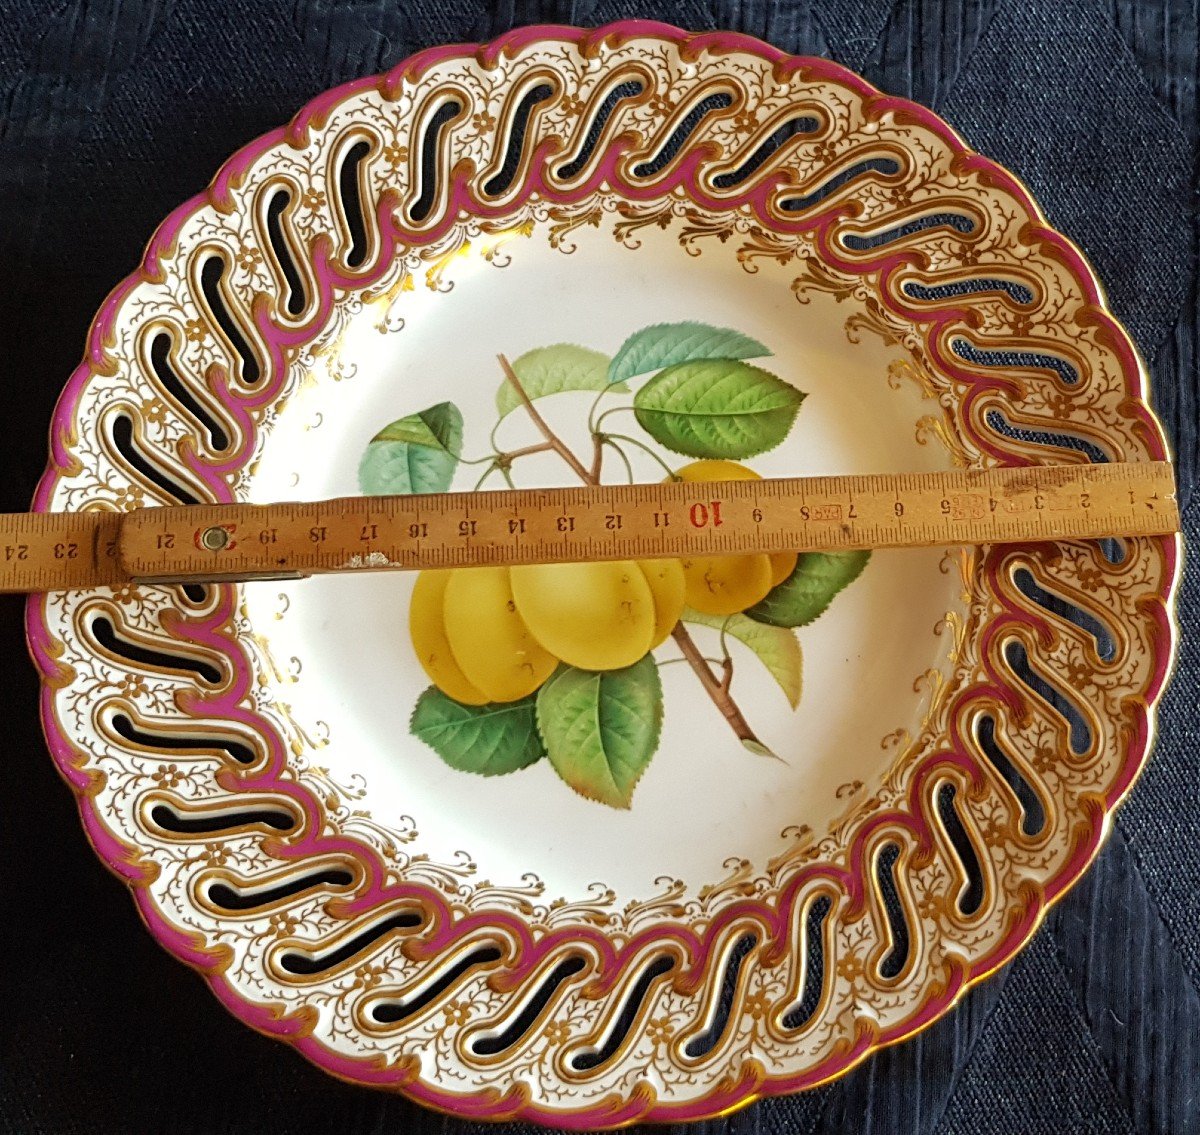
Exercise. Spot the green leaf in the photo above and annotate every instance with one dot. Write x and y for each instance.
(777, 647)
(760, 750)
(485, 739)
(666, 344)
(717, 408)
(601, 729)
(553, 370)
(805, 594)
(416, 454)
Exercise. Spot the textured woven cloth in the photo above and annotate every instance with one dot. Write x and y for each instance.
(114, 111)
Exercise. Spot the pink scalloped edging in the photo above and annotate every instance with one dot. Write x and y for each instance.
(442, 929)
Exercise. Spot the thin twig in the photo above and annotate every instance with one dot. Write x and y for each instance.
(485, 460)
(621, 454)
(613, 410)
(726, 673)
(594, 407)
(723, 641)
(555, 443)
(645, 448)
(597, 456)
(509, 457)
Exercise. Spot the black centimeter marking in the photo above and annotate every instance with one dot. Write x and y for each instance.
(53, 551)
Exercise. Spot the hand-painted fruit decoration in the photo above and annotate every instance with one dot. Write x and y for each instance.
(561, 661)
(496, 633)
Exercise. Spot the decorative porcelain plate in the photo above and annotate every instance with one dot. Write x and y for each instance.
(597, 843)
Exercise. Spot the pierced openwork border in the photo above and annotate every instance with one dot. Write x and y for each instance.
(329, 935)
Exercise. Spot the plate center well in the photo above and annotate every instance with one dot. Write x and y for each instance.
(349, 673)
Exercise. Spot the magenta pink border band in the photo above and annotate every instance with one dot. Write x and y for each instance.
(294, 1028)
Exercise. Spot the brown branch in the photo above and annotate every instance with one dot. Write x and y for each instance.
(509, 457)
(597, 456)
(716, 688)
(726, 673)
(555, 442)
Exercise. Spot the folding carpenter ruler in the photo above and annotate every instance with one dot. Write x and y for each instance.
(241, 541)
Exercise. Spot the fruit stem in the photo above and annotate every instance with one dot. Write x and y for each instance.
(484, 476)
(540, 422)
(716, 688)
(621, 454)
(644, 448)
(726, 673)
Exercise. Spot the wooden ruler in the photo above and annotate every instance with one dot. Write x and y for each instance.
(62, 551)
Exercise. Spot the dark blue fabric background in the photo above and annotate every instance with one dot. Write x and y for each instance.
(114, 111)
